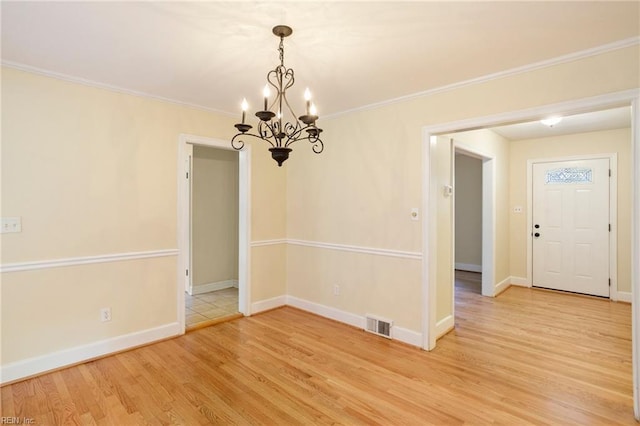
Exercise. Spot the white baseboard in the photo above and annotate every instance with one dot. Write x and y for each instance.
(407, 336)
(401, 334)
(327, 312)
(624, 296)
(219, 285)
(468, 267)
(520, 281)
(41, 364)
(502, 286)
(445, 325)
(265, 305)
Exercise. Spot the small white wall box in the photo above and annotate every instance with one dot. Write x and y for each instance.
(11, 224)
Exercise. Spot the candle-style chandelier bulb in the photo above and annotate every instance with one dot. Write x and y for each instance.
(273, 127)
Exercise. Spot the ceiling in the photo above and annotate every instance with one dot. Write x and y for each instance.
(609, 119)
(351, 54)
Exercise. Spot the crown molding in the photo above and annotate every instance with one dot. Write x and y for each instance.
(109, 87)
(621, 44)
(598, 50)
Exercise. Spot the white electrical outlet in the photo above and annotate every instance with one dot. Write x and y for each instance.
(336, 290)
(105, 314)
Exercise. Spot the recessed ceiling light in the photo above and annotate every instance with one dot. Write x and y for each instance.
(551, 121)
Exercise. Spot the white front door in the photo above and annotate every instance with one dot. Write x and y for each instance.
(571, 226)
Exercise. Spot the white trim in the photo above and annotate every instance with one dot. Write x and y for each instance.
(85, 260)
(621, 44)
(468, 267)
(358, 249)
(340, 247)
(521, 281)
(624, 296)
(41, 364)
(502, 286)
(109, 87)
(401, 334)
(327, 312)
(429, 228)
(613, 213)
(262, 243)
(635, 250)
(244, 231)
(215, 286)
(407, 336)
(267, 304)
(532, 114)
(444, 326)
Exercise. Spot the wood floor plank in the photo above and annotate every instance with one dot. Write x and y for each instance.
(526, 357)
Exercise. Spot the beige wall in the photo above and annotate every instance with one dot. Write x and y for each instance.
(93, 172)
(468, 210)
(214, 215)
(605, 142)
(359, 192)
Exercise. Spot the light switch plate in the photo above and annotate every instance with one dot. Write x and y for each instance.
(11, 224)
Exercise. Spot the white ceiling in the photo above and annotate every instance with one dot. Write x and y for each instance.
(351, 54)
(615, 118)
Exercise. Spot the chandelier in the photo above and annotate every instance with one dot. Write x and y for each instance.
(278, 125)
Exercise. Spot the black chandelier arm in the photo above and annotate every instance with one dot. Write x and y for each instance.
(318, 146)
(292, 131)
(239, 144)
(313, 137)
(267, 131)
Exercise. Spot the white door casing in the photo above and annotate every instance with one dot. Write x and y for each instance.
(570, 217)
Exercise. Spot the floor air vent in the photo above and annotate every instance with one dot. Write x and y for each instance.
(379, 326)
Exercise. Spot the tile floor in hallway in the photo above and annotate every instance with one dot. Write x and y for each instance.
(207, 306)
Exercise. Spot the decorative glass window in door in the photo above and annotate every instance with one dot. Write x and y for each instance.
(569, 175)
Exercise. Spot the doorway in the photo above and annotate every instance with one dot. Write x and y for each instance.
(195, 286)
(212, 291)
(474, 214)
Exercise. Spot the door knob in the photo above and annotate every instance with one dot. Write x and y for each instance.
(537, 234)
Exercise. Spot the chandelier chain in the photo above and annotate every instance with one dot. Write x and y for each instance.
(281, 50)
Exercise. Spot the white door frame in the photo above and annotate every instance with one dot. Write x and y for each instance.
(613, 216)
(627, 97)
(185, 143)
(488, 216)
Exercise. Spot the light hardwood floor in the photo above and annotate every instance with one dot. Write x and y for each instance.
(526, 357)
